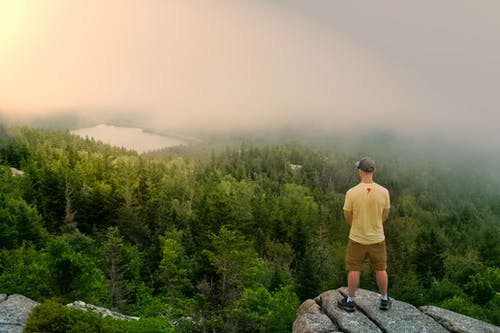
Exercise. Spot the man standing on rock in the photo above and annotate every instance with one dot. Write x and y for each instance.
(366, 207)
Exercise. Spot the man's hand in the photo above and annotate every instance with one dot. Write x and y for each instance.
(348, 216)
(385, 214)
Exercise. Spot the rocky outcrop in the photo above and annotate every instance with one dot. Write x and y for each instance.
(322, 315)
(98, 309)
(15, 310)
(16, 172)
(456, 322)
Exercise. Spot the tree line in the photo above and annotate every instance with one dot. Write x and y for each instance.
(232, 239)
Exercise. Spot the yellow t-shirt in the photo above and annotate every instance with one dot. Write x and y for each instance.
(367, 202)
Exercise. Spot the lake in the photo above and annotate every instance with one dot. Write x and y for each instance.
(128, 137)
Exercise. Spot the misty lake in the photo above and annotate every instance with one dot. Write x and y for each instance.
(128, 137)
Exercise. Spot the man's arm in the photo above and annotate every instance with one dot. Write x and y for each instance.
(385, 214)
(348, 216)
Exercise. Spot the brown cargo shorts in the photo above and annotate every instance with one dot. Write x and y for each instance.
(357, 253)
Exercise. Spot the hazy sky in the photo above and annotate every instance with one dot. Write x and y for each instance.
(411, 66)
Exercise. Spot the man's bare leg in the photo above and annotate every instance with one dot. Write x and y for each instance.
(352, 282)
(382, 282)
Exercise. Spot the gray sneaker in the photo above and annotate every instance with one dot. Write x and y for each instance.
(385, 304)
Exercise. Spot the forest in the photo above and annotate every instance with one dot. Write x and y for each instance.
(233, 237)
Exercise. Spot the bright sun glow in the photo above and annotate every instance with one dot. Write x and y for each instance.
(15, 16)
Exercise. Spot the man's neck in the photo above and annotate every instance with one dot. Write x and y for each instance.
(367, 178)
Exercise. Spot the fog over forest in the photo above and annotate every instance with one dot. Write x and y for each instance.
(426, 70)
(258, 110)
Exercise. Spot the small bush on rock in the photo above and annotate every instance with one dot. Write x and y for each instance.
(51, 316)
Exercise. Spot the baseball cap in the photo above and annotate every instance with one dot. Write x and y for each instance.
(366, 164)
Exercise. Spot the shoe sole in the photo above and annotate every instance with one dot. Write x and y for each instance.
(385, 307)
(346, 309)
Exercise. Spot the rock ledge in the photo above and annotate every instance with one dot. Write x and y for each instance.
(322, 315)
(15, 310)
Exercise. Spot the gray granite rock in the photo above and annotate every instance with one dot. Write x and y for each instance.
(310, 319)
(314, 323)
(402, 317)
(349, 322)
(456, 322)
(98, 309)
(14, 312)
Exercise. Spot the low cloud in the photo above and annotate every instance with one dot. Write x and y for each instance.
(257, 65)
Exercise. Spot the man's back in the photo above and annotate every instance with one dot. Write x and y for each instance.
(367, 202)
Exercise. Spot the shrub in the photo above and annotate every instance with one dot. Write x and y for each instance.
(464, 305)
(52, 316)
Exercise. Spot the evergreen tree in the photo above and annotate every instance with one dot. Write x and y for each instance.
(173, 273)
(235, 261)
(114, 254)
(430, 256)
